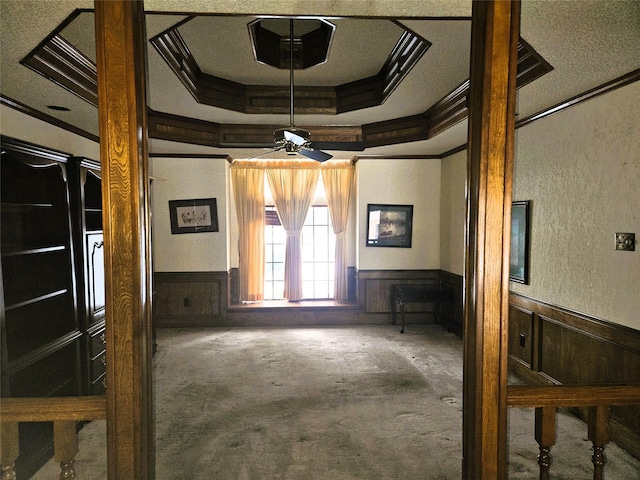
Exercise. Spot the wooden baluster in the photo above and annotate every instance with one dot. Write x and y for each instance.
(65, 445)
(599, 436)
(9, 449)
(546, 437)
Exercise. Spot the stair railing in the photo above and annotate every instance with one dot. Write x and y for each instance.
(64, 412)
(598, 399)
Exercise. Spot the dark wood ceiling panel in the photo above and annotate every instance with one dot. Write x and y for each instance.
(164, 126)
(399, 130)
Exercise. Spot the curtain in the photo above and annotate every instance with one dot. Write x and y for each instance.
(338, 181)
(248, 190)
(293, 184)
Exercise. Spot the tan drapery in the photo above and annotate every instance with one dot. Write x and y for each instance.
(338, 181)
(248, 190)
(293, 184)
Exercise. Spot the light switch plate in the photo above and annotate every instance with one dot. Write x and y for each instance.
(626, 241)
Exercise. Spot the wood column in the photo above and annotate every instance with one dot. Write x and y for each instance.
(121, 64)
(494, 39)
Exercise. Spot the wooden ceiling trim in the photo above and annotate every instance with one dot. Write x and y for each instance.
(359, 94)
(174, 50)
(452, 108)
(63, 64)
(408, 50)
(356, 95)
(307, 100)
(400, 130)
(165, 126)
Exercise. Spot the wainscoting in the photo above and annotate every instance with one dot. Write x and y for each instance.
(189, 299)
(197, 299)
(552, 345)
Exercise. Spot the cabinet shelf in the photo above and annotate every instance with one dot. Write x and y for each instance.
(14, 252)
(36, 299)
(23, 205)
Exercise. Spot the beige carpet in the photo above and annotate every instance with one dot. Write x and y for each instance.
(324, 403)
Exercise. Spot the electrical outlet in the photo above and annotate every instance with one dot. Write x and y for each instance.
(626, 241)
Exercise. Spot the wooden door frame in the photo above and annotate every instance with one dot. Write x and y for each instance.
(121, 65)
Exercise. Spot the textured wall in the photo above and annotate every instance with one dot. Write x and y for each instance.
(396, 8)
(453, 212)
(188, 178)
(24, 127)
(402, 182)
(581, 170)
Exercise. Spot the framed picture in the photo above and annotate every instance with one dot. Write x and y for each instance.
(389, 225)
(193, 216)
(519, 259)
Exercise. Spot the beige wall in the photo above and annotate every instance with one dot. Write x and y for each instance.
(453, 212)
(581, 170)
(404, 182)
(24, 127)
(189, 178)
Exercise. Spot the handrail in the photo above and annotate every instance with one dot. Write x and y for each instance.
(547, 399)
(572, 395)
(49, 409)
(64, 412)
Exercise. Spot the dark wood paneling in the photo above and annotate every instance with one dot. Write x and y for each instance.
(190, 298)
(521, 335)
(451, 311)
(568, 348)
(374, 288)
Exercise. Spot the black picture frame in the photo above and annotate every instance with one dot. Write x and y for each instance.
(193, 216)
(389, 225)
(519, 257)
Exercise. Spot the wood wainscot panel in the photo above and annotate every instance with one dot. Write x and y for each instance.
(570, 348)
(374, 288)
(451, 311)
(521, 335)
(189, 298)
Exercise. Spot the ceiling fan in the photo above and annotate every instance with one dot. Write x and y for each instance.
(291, 139)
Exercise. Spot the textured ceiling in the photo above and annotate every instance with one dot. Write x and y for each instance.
(586, 42)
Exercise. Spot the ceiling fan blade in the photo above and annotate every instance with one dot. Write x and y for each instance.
(293, 138)
(273, 150)
(317, 155)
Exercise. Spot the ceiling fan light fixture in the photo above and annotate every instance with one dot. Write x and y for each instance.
(281, 134)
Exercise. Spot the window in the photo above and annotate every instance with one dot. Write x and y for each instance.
(318, 251)
(318, 254)
(274, 244)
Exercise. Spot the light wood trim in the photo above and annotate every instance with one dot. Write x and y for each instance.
(572, 395)
(120, 47)
(494, 43)
(49, 409)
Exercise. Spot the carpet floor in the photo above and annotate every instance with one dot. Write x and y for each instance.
(361, 402)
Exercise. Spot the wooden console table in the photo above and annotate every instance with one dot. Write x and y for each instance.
(401, 294)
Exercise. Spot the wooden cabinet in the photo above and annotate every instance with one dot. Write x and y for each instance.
(52, 283)
(86, 220)
(41, 336)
